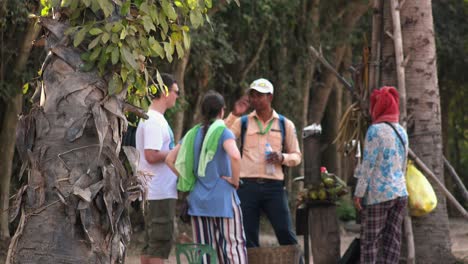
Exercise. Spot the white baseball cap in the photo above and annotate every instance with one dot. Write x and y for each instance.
(262, 85)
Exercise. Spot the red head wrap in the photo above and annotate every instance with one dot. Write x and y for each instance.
(384, 105)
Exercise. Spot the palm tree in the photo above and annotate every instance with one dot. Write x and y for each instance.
(431, 232)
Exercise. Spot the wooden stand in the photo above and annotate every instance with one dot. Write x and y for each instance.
(324, 233)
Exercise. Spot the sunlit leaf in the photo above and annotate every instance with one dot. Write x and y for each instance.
(95, 31)
(25, 88)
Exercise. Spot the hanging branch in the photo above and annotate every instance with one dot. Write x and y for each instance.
(457, 179)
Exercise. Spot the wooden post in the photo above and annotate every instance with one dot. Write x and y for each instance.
(322, 218)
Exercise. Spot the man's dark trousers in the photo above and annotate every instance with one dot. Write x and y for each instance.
(269, 196)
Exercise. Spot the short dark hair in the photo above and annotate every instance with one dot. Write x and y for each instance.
(168, 80)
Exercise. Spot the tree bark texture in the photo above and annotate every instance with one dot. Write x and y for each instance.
(424, 119)
(74, 204)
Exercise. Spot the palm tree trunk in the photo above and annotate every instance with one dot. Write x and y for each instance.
(74, 208)
(424, 119)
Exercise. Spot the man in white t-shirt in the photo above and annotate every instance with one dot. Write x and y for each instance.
(154, 140)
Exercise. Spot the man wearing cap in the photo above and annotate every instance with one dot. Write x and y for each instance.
(154, 140)
(262, 190)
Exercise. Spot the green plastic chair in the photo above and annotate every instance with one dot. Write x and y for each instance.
(194, 253)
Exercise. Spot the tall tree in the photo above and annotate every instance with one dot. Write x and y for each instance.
(74, 206)
(424, 117)
(16, 36)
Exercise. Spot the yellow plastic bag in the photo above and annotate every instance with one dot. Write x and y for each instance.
(422, 198)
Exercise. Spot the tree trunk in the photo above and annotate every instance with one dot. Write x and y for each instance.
(8, 131)
(424, 121)
(179, 73)
(74, 206)
(320, 98)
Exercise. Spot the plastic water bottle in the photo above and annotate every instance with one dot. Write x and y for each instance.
(270, 167)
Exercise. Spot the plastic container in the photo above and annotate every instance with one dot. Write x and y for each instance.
(270, 167)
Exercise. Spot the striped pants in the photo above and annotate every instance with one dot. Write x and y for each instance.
(381, 231)
(225, 235)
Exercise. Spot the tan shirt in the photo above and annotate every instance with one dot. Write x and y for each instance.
(253, 163)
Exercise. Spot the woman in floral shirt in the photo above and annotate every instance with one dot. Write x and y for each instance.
(381, 194)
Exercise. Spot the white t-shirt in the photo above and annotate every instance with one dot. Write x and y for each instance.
(156, 134)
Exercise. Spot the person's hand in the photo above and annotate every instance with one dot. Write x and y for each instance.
(241, 106)
(358, 203)
(275, 158)
(231, 181)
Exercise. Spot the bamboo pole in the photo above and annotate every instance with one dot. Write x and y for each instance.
(399, 58)
(428, 173)
(400, 72)
(457, 179)
(376, 44)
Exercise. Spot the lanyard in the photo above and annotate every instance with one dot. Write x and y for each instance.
(260, 126)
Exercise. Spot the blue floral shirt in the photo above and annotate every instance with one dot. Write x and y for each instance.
(381, 175)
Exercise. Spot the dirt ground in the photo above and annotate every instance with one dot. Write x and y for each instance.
(458, 235)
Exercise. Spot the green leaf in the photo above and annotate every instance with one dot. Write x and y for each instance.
(115, 38)
(192, 4)
(106, 6)
(115, 84)
(196, 18)
(105, 37)
(180, 50)
(169, 49)
(169, 10)
(123, 34)
(79, 37)
(186, 38)
(87, 2)
(128, 57)
(103, 62)
(124, 73)
(108, 26)
(145, 8)
(115, 55)
(117, 27)
(25, 88)
(156, 47)
(93, 43)
(148, 24)
(95, 53)
(95, 31)
(178, 3)
(208, 4)
(163, 22)
(125, 8)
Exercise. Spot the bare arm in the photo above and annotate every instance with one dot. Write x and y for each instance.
(171, 159)
(231, 149)
(153, 156)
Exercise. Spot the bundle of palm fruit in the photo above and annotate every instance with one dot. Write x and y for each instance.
(331, 188)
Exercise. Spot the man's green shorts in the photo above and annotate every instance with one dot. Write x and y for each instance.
(159, 228)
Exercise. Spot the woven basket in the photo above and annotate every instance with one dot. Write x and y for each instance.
(290, 254)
